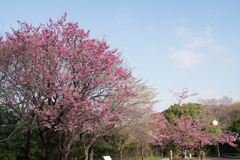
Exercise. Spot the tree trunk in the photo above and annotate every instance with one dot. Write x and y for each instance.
(142, 152)
(121, 150)
(49, 146)
(162, 152)
(87, 146)
(182, 155)
(218, 150)
(64, 144)
(64, 156)
(86, 152)
(48, 151)
(91, 154)
(28, 145)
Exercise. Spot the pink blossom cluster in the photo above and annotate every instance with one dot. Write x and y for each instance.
(68, 79)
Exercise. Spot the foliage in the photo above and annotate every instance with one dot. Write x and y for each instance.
(236, 126)
(11, 151)
(220, 108)
(59, 83)
(77, 152)
(102, 149)
(153, 158)
(190, 109)
(131, 150)
(188, 131)
(189, 124)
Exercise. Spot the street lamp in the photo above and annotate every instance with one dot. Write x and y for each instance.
(215, 123)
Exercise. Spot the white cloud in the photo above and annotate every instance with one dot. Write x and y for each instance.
(198, 42)
(152, 29)
(228, 62)
(217, 48)
(186, 59)
(175, 20)
(184, 33)
(193, 41)
(208, 31)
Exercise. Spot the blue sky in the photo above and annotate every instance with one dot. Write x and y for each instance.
(171, 44)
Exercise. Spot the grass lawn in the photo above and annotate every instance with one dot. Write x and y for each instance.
(152, 158)
(159, 158)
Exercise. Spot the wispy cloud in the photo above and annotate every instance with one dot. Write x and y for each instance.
(152, 29)
(186, 59)
(228, 62)
(191, 55)
(184, 33)
(209, 31)
(198, 42)
(174, 20)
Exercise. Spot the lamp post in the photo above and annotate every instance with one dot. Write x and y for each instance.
(215, 123)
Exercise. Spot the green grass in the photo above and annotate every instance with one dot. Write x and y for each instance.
(158, 158)
(152, 158)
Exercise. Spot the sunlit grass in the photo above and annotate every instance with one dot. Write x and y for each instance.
(152, 158)
(159, 158)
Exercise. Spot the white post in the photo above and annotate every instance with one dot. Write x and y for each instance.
(171, 154)
(215, 123)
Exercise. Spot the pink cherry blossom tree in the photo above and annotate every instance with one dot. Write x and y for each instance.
(161, 132)
(64, 78)
(225, 137)
(228, 138)
(189, 131)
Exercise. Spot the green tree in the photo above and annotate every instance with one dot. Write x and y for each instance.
(236, 126)
(190, 109)
(11, 149)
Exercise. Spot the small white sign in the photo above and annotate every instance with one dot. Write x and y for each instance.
(107, 158)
